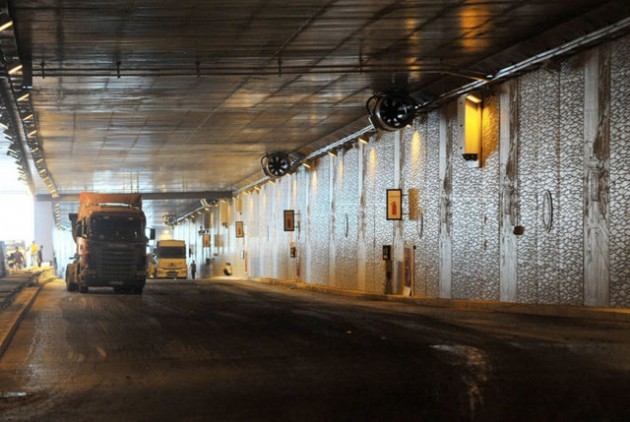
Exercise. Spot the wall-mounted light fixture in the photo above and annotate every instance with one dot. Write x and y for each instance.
(5, 22)
(363, 140)
(12, 151)
(23, 97)
(305, 164)
(15, 69)
(331, 153)
(469, 109)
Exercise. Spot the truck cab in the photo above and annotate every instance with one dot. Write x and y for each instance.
(171, 259)
(111, 244)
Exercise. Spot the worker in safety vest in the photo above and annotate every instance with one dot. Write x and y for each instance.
(33, 252)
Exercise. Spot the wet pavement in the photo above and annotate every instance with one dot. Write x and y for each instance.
(17, 292)
(238, 350)
(12, 285)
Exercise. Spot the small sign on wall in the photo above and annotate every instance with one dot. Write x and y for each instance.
(289, 220)
(394, 204)
(239, 229)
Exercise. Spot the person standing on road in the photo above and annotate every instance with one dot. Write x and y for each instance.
(33, 252)
(40, 252)
(19, 259)
(193, 269)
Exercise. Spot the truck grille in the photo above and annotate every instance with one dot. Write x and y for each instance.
(117, 264)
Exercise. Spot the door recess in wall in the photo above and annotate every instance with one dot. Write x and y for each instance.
(408, 270)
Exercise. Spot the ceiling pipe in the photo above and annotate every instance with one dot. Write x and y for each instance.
(258, 71)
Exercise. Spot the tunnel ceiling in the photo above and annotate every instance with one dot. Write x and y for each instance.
(185, 96)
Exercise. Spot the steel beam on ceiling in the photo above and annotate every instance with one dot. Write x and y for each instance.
(148, 196)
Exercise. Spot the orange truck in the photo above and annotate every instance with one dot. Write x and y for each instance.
(109, 233)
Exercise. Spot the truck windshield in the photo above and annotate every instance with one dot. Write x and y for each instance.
(117, 228)
(171, 252)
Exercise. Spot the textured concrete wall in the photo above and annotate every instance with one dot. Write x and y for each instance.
(533, 173)
(620, 175)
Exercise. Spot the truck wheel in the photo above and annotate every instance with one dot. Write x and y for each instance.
(83, 288)
(71, 285)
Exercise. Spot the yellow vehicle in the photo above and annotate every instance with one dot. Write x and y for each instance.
(171, 259)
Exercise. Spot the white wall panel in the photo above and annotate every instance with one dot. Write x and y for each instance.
(533, 137)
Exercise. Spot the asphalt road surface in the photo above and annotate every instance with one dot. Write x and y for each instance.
(228, 350)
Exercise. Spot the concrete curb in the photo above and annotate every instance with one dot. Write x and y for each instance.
(11, 316)
(562, 311)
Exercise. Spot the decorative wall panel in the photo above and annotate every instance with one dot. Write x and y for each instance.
(620, 175)
(467, 222)
(379, 167)
(302, 222)
(568, 214)
(547, 184)
(282, 201)
(532, 173)
(319, 216)
(528, 162)
(429, 254)
(346, 188)
(413, 184)
(488, 196)
(372, 265)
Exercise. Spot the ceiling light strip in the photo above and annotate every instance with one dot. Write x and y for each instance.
(342, 141)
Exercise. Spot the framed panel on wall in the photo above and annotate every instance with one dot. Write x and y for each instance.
(239, 229)
(289, 220)
(394, 204)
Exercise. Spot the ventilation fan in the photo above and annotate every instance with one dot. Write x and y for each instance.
(391, 111)
(276, 164)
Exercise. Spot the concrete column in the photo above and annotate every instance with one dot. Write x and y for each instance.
(445, 223)
(44, 224)
(361, 244)
(508, 191)
(597, 178)
(332, 250)
(398, 243)
(306, 219)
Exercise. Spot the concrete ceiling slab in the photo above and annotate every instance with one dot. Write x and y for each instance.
(157, 96)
